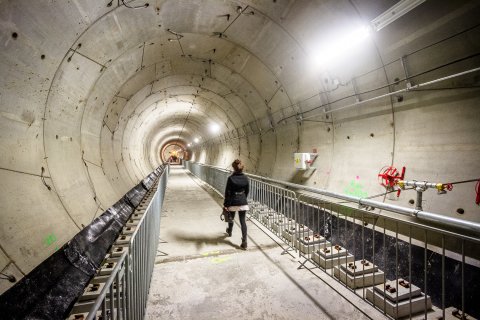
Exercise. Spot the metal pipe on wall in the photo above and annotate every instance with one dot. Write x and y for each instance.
(424, 215)
(412, 88)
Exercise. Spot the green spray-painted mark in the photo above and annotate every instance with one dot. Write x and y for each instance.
(355, 189)
(49, 240)
(220, 259)
(210, 253)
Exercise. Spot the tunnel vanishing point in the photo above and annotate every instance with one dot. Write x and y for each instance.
(97, 94)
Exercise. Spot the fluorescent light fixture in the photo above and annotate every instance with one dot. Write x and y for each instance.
(196, 140)
(395, 12)
(337, 49)
(214, 128)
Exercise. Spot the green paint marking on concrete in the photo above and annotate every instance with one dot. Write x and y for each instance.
(220, 259)
(49, 240)
(355, 189)
(210, 253)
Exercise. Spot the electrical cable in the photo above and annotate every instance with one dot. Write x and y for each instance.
(136, 7)
(374, 89)
(385, 193)
(10, 277)
(43, 179)
(375, 196)
(477, 191)
(464, 181)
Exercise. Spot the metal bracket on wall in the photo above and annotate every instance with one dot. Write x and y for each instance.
(355, 89)
(408, 81)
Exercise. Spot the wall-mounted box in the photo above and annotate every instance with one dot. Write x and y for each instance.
(302, 160)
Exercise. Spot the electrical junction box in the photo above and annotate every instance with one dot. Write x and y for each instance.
(302, 161)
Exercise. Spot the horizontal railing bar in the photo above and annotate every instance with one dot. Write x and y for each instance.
(380, 214)
(424, 215)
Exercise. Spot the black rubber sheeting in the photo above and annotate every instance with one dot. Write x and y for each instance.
(51, 289)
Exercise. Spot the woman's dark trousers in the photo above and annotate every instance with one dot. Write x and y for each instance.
(243, 224)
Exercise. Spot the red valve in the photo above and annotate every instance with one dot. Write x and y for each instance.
(477, 190)
(448, 186)
(389, 176)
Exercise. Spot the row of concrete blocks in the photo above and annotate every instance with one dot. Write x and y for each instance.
(397, 298)
(92, 290)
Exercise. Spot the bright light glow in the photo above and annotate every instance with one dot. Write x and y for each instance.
(189, 145)
(214, 128)
(196, 140)
(340, 47)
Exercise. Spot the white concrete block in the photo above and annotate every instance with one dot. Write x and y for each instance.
(123, 239)
(132, 222)
(128, 230)
(359, 280)
(452, 313)
(280, 224)
(137, 215)
(83, 315)
(269, 218)
(91, 291)
(118, 250)
(398, 290)
(329, 257)
(293, 232)
(401, 308)
(359, 267)
(309, 244)
(107, 268)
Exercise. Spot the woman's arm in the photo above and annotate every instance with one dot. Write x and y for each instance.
(228, 191)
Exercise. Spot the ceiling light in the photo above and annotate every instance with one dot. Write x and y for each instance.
(189, 145)
(196, 140)
(214, 128)
(395, 12)
(341, 46)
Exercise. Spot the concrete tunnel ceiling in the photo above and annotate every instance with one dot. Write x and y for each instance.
(91, 91)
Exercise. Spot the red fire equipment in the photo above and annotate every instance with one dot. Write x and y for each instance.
(389, 176)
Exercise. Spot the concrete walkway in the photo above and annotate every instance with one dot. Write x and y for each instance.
(202, 274)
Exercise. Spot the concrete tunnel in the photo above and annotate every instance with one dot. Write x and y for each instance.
(95, 95)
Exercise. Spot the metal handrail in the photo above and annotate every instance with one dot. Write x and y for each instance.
(103, 293)
(424, 215)
(134, 286)
(408, 222)
(398, 249)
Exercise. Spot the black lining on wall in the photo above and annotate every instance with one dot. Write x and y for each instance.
(50, 290)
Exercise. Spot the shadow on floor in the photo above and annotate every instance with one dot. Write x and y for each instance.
(202, 240)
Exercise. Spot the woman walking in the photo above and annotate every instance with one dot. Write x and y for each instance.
(236, 194)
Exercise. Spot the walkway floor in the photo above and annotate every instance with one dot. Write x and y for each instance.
(201, 274)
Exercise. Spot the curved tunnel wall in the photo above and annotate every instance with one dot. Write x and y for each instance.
(90, 94)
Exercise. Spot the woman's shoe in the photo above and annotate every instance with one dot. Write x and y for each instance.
(229, 232)
(244, 244)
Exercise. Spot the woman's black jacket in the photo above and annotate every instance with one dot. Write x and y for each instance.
(237, 189)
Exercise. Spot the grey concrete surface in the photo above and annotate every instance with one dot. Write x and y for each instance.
(202, 274)
(92, 91)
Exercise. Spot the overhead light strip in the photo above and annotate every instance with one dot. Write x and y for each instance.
(395, 12)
